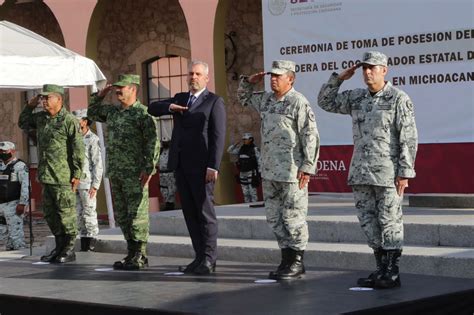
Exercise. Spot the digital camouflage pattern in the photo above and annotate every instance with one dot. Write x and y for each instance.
(290, 143)
(132, 145)
(132, 148)
(385, 146)
(131, 209)
(286, 207)
(290, 139)
(59, 209)
(61, 156)
(245, 178)
(384, 132)
(379, 210)
(13, 230)
(93, 168)
(167, 179)
(92, 177)
(60, 145)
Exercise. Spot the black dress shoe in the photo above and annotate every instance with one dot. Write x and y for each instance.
(190, 268)
(205, 268)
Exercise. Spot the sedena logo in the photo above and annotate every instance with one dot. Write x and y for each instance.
(277, 7)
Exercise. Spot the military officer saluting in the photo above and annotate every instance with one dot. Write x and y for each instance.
(14, 196)
(290, 149)
(132, 153)
(61, 155)
(385, 145)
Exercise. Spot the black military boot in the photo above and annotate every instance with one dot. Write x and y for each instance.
(59, 240)
(118, 265)
(67, 254)
(381, 263)
(285, 255)
(391, 276)
(139, 259)
(85, 244)
(295, 267)
(92, 243)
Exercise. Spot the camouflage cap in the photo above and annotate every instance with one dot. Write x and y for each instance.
(7, 145)
(127, 79)
(282, 66)
(374, 58)
(52, 88)
(80, 113)
(247, 136)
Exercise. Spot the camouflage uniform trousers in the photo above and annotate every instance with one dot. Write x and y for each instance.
(131, 208)
(168, 187)
(13, 230)
(379, 210)
(249, 192)
(86, 214)
(286, 207)
(59, 203)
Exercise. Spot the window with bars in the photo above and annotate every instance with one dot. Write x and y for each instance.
(166, 76)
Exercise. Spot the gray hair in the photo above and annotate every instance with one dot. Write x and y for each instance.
(199, 62)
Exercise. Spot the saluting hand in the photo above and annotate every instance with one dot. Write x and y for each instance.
(105, 91)
(33, 102)
(256, 77)
(348, 73)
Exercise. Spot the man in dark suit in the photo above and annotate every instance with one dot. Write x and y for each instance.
(197, 144)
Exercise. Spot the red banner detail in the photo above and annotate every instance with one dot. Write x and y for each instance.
(440, 168)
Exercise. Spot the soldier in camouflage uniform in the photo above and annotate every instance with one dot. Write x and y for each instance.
(61, 155)
(132, 153)
(14, 196)
(248, 164)
(385, 145)
(86, 199)
(167, 180)
(290, 149)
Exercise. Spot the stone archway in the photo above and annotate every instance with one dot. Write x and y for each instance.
(128, 33)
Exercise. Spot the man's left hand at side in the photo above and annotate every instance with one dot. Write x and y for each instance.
(211, 175)
(401, 183)
(144, 179)
(20, 209)
(74, 184)
(303, 179)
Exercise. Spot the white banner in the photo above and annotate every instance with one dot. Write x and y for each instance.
(430, 44)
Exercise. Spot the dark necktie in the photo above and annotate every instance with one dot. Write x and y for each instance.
(191, 100)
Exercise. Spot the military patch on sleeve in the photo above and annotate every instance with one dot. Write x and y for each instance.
(311, 116)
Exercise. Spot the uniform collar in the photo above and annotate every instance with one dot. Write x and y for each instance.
(290, 91)
(385, 92)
